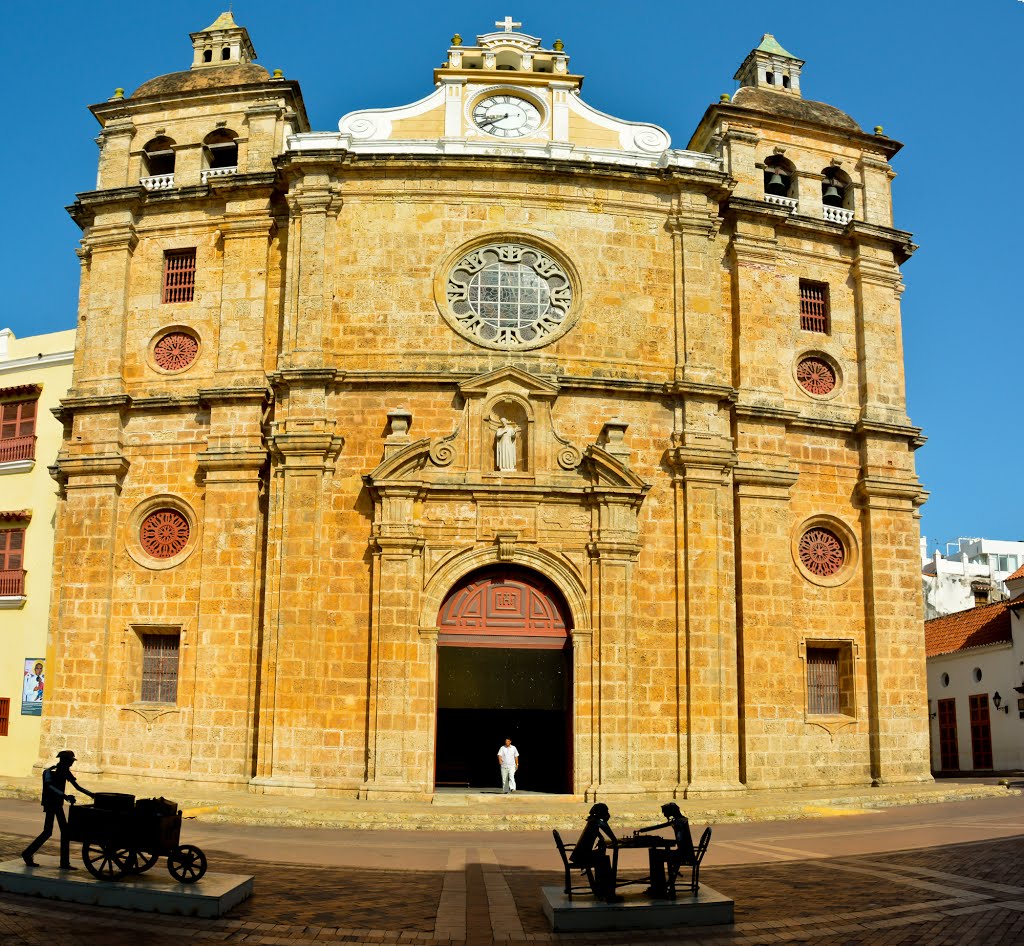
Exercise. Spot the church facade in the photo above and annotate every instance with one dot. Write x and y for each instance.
(489, 415)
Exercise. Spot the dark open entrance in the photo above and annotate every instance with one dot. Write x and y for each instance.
(504, 669)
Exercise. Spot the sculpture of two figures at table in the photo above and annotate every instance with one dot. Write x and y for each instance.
(590, 853)
(665, 860)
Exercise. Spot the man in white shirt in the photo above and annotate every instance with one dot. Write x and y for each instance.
(508, 759)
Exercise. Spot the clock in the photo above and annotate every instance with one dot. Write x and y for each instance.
(506, 116)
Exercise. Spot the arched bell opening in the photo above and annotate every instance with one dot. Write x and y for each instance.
(504, 670)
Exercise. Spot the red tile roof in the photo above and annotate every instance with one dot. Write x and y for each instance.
(1019, 573)
(977, 627)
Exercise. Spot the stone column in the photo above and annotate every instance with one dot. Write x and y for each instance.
(305, 448)
(103, 309)
(712, 692)
(700, 346)
(78, 679)
(584, 711)
(402, 660)
(878, 286)
(228, 633)
(245, 231)
(314, 205)
(764, 607)
(897, 682)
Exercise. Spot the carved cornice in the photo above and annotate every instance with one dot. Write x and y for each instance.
(306, 377)
(96, 468)
(749, 474)
(241, 459)
(869, 428)
(253, 393)
(697, 463)
(613, 551)
(870, 488)
(766, 412)
(700, 389)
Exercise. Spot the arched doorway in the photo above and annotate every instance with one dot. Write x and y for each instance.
(504, 669)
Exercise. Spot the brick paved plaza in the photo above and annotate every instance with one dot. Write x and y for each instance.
(811, 881)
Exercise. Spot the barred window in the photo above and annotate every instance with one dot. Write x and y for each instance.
(12, 547)
(823, 681)
(160, 668)
(179, 275)
(17, 430)
(5, 715)
(814, 308)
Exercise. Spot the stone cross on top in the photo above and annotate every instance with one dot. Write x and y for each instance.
(508, 24)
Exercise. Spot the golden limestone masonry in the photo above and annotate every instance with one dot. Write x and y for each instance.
(487, 416)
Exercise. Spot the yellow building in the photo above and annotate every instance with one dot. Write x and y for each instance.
(35, 373)
(488, 415)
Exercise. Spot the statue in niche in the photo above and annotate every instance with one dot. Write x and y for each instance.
(505, 446)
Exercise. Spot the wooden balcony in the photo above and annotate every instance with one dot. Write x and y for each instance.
(17, 448)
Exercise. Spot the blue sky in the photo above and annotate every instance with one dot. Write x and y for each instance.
(940, 77)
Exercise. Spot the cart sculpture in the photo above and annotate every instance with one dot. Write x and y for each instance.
(122, 836)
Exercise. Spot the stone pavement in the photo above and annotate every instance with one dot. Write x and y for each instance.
(790, 890)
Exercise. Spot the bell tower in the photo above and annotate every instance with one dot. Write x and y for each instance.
(769, 66)
(222, 43)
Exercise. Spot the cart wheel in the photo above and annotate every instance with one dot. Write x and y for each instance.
(106, 861)
(143, 861)
(186, 864)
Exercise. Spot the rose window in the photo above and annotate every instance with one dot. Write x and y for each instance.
(507, 295)
(821, 552)
(816, 376)
(175, 351)
(164, 533)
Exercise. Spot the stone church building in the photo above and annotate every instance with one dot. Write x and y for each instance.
(488, 415)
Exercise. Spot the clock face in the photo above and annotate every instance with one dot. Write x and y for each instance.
(506, 116)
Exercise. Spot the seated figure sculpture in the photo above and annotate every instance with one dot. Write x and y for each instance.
(590, 853)
(665, 860)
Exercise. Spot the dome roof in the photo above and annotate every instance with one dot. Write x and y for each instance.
(197, 80)
(790, 106)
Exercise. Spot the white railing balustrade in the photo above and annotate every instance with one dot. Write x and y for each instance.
(161, 182)
(837, 214)
(788, 202)
(217, 172)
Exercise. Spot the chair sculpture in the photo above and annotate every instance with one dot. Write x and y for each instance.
(676, 860)
(563, 851)
(590, 854)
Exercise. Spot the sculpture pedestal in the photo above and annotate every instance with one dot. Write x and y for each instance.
(152, 892)
(637, 912)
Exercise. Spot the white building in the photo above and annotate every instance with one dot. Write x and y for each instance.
(976, 685)
(974, 574)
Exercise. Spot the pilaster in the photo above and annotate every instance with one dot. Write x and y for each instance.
(78, 678)
(710, 689)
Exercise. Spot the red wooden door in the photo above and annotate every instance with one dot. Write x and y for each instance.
(949, 749)
(981, 732)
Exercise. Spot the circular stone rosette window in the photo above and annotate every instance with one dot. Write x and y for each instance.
(817, 375)
(509, 294)
(825, 551)
(174, 349)
(162, 532)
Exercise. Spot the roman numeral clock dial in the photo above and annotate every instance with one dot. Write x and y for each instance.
(506, 116)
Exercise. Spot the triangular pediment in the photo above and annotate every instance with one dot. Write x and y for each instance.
(506, 377)
(607, 470)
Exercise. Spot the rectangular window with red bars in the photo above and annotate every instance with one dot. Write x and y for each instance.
(17, 430)
(160, 668)
(5, 715)
(823, 681)
(179, 275)
(814, 307)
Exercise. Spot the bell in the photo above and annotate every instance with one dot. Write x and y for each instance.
(776, 185)
(832, 197)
